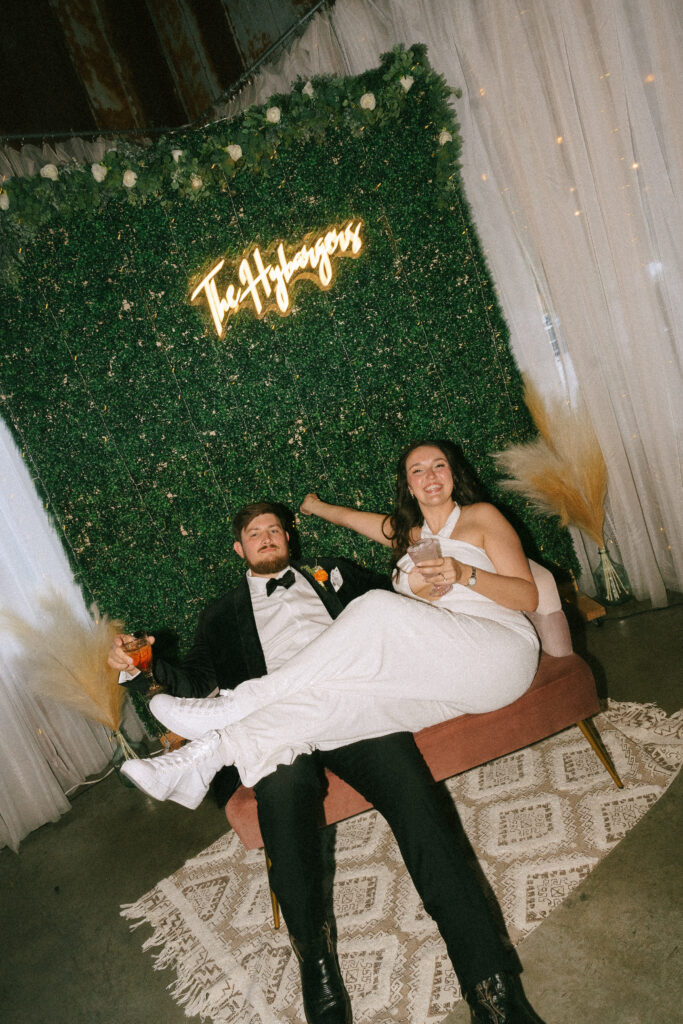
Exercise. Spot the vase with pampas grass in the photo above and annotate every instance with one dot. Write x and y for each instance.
(63, 657)
(563, 473)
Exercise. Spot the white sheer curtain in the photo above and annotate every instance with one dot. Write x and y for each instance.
(45, 749)
(572, 162)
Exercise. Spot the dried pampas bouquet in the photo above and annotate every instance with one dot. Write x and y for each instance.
(63, 657)
(563, 473)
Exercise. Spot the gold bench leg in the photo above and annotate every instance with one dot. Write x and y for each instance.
(273, 898)
(590, 731)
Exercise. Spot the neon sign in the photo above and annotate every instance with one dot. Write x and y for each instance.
(266, 285)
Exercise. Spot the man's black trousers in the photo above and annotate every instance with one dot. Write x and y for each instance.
(389, 772)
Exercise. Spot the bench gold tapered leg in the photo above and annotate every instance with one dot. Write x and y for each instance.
(273, 898)
(590, 731)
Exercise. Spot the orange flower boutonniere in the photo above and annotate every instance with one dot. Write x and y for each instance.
(319, 574)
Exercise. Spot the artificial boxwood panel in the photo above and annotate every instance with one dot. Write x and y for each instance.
(145, 431)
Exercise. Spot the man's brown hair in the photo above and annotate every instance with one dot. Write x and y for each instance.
(256, 508)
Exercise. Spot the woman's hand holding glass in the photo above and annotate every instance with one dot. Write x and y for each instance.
(426, 555)
(441, 573)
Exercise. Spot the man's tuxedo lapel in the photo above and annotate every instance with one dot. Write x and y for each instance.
(326, 593)
(247, 631)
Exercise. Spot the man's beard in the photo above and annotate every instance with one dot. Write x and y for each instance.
(272, 563)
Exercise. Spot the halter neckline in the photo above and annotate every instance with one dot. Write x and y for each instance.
(447, 528)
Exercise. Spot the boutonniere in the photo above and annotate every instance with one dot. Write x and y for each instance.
(319, 574)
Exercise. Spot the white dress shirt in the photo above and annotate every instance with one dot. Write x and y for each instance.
(289, 619)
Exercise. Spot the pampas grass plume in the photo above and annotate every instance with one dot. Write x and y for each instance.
(562, 472)
(64, 658)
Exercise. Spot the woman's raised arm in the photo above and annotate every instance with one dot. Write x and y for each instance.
(370, 524)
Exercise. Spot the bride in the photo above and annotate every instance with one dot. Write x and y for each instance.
(452, 639)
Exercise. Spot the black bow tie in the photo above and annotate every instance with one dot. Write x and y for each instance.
(284, 581)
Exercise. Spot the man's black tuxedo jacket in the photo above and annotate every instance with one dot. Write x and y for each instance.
(227, 650)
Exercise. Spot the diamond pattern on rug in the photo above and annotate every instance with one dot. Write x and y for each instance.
(433, 987)
(539, 820)
(607, 819)
(532, 889)
(515, 773)
(361, 894)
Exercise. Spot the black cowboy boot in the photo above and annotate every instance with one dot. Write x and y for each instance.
(326, 1001)
(501, 1000)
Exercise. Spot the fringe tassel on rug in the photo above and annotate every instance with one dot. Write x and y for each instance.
(175, 946)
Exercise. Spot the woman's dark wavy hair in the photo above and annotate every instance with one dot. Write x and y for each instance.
(407, 514)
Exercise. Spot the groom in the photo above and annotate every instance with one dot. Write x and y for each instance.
(277, 609)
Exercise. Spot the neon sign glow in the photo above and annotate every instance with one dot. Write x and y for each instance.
(267, 285)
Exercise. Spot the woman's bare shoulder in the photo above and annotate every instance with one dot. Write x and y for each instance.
(477, 521)
(479, 512)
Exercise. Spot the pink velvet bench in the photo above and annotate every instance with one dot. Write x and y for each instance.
(562, 694)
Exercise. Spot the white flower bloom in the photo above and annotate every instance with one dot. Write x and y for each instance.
(129, 178)
(99, 171)
(407, 82)
(445, 137)
(368, 101)
(196, 181)
(308, 88)
(176, 154)
(234, 152)
(4, 201)
(49, 171)
(273, 115)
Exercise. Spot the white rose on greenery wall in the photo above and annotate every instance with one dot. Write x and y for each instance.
(196, 181)
(129, 178)
(4, 201)
(273, 115)
(176, 154)
(368, 101)
(49, 171)
(308, 89)
(234, 152)
(406, 82)
(99, 172)
(445, 137)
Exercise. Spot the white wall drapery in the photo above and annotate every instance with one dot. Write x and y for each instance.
(572, 162)
(45, 749)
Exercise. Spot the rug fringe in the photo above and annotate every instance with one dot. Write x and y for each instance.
(176, 946)
(634, 717)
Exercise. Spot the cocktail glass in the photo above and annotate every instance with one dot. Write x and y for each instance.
(424, 551)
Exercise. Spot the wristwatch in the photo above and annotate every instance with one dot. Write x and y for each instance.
(473, 578)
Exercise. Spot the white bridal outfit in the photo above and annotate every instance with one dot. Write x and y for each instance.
(388, 663)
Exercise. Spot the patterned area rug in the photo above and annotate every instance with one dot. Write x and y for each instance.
(539, 820)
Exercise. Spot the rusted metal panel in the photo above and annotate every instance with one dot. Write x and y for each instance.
(257, 24)
(105, 76)
(196, 80)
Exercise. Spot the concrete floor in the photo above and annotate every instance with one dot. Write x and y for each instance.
(609, 955)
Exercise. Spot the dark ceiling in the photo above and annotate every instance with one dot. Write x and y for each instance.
(85, 66)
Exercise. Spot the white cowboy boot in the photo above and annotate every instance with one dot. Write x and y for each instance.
(181, 775)
(193, 717)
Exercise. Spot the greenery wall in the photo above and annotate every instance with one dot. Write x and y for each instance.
(145, 431)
